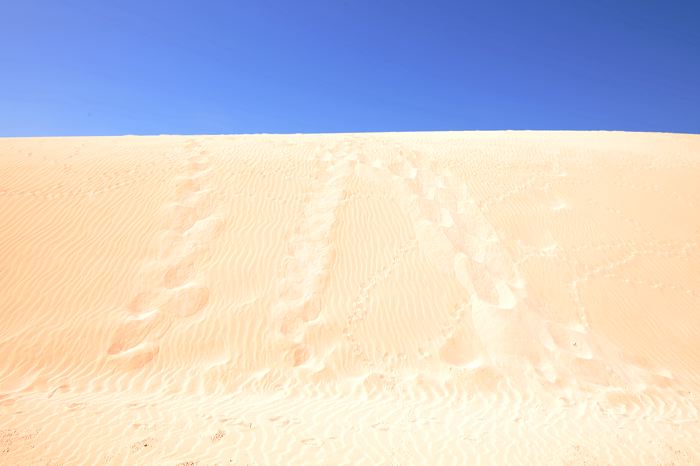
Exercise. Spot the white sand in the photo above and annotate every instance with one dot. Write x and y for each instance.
(418, 298)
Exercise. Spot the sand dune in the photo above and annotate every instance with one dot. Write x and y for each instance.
(416, 298)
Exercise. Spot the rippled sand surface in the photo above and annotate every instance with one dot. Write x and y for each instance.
(415, 298)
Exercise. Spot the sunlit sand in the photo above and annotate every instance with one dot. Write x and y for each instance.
(383, 298)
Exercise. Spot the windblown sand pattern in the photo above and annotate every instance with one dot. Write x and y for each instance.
(417, 298)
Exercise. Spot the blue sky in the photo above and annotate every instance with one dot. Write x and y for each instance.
(151, 67)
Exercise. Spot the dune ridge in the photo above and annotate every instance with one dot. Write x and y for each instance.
(391, 298)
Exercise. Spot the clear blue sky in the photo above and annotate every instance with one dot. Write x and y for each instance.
(83, 67)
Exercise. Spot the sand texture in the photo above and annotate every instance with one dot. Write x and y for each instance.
(416, 298)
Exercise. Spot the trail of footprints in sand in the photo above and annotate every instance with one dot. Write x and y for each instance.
(173, 287)
(304, 271)
(498, 307)
(460, 242)
(452, 230)
(434, 200)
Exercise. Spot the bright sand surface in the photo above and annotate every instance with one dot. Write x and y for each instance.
(417, 298)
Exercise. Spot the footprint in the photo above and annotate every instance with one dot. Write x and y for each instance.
(206, 229)
(142, 356)
(142, 302)
(169, 242)
(178, 274)
(182, 217)
(293, 319)
(195, 166)
(481, 379)
(300, 355)
(203, 201)
(458, 350)
(186, 187)
(190, 209)
(187, 301)
(130, 334)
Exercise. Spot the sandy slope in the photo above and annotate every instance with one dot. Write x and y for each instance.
(427, 298)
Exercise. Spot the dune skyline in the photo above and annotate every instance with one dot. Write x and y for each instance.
(509, 297)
